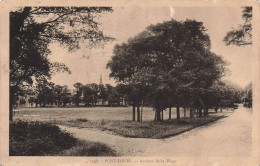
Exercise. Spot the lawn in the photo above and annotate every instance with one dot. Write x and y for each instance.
(95, 113)
(118, 120)
(146, 129)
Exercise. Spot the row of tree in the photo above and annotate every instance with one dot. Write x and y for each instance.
(91, 94)
(170, 65)
(48, 94)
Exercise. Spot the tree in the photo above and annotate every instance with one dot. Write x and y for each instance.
(113, 97)
(77, 97)
(125, 69)
(102, 94)
(224, 94)
(172, 59)
(169, 60)
(66, 95)
(46, 93)
(58, 90)
(248, 96)
(94, 93)
(121, 90)
(32, 29)
(241, 36)
(87, 95)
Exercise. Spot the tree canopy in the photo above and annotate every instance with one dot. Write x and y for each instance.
(242, 35)
(32, 29)
(170, 60)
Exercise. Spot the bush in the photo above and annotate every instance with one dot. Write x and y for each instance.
(37, 139)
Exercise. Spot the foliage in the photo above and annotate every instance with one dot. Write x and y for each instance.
(37, 139)
(90, 94)
(45, 91)
(241, 36)
(78, 93)
(66, 95)
(224, 94)
(48, 94)
(32, 29)
(248, 96)
(45, 139)
(167, 63)
(113, 96)
(103, 95)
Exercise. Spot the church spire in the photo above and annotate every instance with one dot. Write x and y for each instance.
(100, 81)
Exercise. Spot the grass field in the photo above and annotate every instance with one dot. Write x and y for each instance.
(118, 120)
(147, 129)
(95, 113)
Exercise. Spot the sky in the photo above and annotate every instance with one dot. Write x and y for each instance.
(87, 65)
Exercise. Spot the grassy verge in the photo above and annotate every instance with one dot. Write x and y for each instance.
(87, 148)
(146, 129)
(45, 139)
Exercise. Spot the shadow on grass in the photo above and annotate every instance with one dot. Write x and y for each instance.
(45, 139)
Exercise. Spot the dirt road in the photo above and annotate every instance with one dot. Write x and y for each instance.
(227, 137)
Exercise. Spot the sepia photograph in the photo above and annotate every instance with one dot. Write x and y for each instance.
(131, 81)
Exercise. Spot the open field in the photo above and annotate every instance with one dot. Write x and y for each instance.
(118, 120)
(89, 113)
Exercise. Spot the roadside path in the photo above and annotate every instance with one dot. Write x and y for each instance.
(230, 136)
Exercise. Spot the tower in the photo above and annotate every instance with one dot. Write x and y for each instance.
(100, 80)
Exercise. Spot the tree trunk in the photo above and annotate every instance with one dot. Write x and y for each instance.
(216, 109)
(155, 115)
(142, 110)
(191, 113)
(10, 109)
(221, 110)
(178, 113)
(200, 112)
(138, 112)
(162, 115)
(184, 109)
(133, 112)
(158, 116)
(206, 111)
(170, 113)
